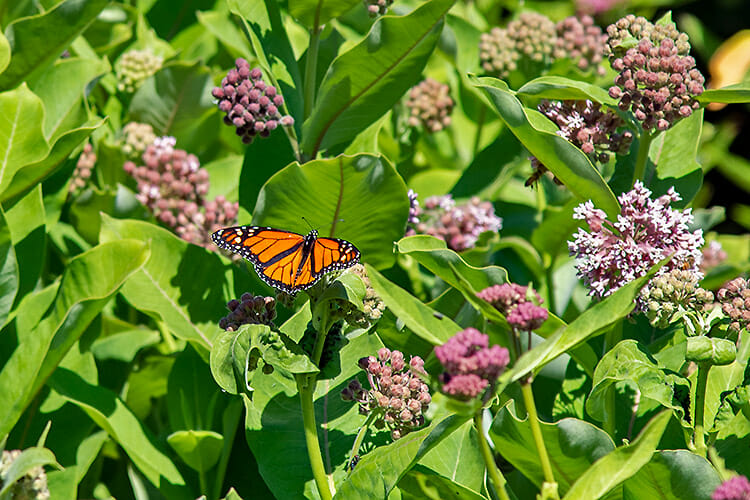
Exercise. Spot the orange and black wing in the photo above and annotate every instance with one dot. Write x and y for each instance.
(275, 254)
(329, 254)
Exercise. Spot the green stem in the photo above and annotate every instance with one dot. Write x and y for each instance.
(311, 65)
(202, 481)
(642, 159)
(699, 438)
(498, 481)
(361, 436)
(480, 126)
(536, 431)
(611, 339)
(306, 387)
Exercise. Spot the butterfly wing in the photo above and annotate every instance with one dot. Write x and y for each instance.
(275, 254)
(329, 254)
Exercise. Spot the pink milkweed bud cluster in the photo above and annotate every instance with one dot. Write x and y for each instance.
(31, 486)
(430, 105)
(249, 310)
(646, 231)
(251, 106)
(377, 8)
(736, 488)
(657, 80)
(507, 296)
(136, 138)
(580, 40)
(83, 170)
(527, 317)
(133, 67)
(734, 298)
(173, 186)
(587, 126)
(713, 256)
(470, 364)
(530, 37)
(459, 225)
(396, 391)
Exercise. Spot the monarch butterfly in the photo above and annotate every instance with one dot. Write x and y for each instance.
(285, 260)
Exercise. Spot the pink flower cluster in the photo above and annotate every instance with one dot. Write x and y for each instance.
(736, 488)
(458, 225)
(658, 80)
(250, 104)
(396, 392)
(585, 125)
(470, 364)
(249, 310)
(734, 298)
(430, 105)
(518, 304)
(646, 231)
(713, 256)
(579, 39)
(173, 186)
(84, 168)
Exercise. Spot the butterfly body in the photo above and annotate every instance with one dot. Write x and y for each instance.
(285, 260)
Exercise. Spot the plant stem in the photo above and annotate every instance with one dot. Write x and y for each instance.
(480, 126)
(536, 431)
(306, 387)
(231, 419)
(611, 339)
(642, 159)
(498, 481)
(699, 438)
(311, 65)
(361, 437)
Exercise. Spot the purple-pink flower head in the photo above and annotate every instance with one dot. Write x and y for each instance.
(507, 296)
(736, 488)
(396, 391)
(527, 317)
(470, 363)
(646, 231)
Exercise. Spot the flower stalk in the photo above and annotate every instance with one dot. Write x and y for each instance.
(536, 430)
(699, 438)
(642, 159)
(498, 481)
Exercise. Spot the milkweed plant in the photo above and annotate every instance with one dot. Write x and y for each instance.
(396, 249)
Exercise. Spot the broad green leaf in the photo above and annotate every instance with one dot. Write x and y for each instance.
(112, 415)
(368, 79)
(560, 88)
(378, 472)
(673, 475)
(591, 322)
(31, 175)
(181, 284)
(4, 53)
(620, 464)
(230, 357)
(61, 89)
(572, 445)
(261, 161)
(89, 281)
(345, 197)
(457, 459)
(22, 141)
(192, 395)
(537, 134)
(424, 321)
(557, 227)
(199, 449)
(123, 346)
(273, 424)
(220, 26)
(26, 219)
(270, 42)
(722, 379)
(674, 153)
(315, 13)
(434, 254)
(29, 458)
(737, 93)
(175, 101)
(421, 482)
(629, 361)
(9, 278)
(39, 40)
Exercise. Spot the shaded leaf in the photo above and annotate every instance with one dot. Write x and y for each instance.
(368, 79)
(673, 475)
(561, 88)
(315, 13)
(199, 449)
